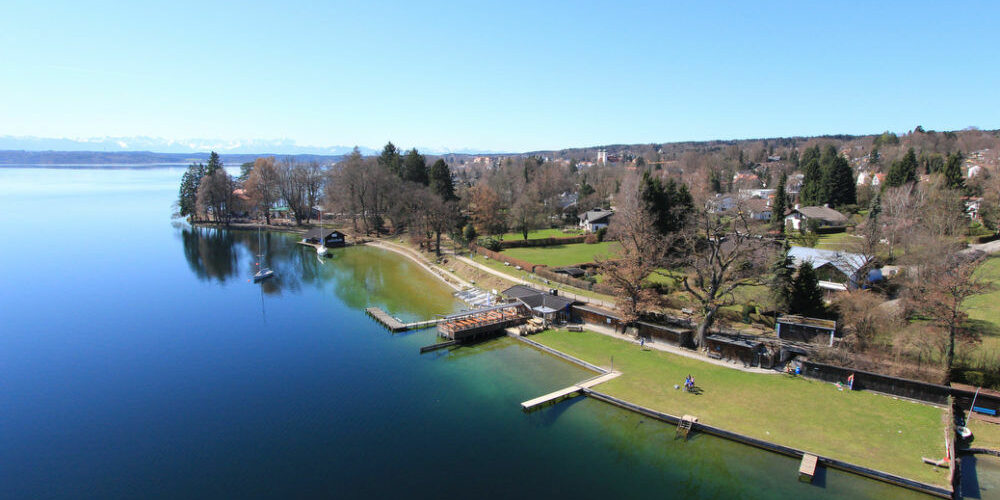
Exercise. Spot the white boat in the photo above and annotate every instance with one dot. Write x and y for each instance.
(964, 432)
(262, 273)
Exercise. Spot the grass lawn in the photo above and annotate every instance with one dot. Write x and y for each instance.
(984, 310)
(511, 271)
(859, 427)
(984, 434)
(542, 233)
(564, 255)
(835, 241)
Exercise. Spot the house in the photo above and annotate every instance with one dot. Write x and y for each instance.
(836, 270)
(825, 216)
(329, 237)
(974, 170)
(972, 204)
(756, 208)
(573, 272)
(592, 220)
(807, 330)
(548, 306)
(722, 203)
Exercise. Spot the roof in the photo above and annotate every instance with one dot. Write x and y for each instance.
(822, 213)
(572, 271)
(756, 205)
(518, 291)
(747, 342)
(791, 319)
(537, 300)
(595, 215)
(320, 232)
(845, 262)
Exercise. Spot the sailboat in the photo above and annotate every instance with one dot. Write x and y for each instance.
(262, 273)
(321, 249)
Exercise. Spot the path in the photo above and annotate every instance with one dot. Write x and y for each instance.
(533, 284)
(680, 351)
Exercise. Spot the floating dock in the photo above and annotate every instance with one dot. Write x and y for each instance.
(807, 469)
(395, 325)
(568, 392)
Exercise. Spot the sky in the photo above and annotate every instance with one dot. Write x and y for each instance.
(494, 76)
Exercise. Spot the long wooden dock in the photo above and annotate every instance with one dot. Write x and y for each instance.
(395, 325)
(573, 390)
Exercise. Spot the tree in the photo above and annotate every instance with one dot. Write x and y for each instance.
(525, 214)
(668, 204)
(839, 181)
(441, 182)
(782, 280)
(780, 203)
(487, 212)
(214, 163)
(945, 278)
(874, 157)
(807, 298)
(953, 171)
(415, 168)
(312, 176)
(903, 171)
(812, 182)
(390, 159)
(215, 197)
(187, 198)
(721, 255)
(262, 185)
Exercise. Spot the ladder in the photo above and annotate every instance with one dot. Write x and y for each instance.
(685, 425)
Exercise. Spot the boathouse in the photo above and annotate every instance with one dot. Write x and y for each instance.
(739, 348)
(330, 238)
(548, 306)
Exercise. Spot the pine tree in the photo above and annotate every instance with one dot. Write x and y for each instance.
(812, 183)
(669, 203)
(782, 280)
(441, 183)
(390, 159)
(953, 171)
(415, 168)
(840, 187)
(903, 171)
(780, 202)
(807, 298)
(214, 163)
(188, 196)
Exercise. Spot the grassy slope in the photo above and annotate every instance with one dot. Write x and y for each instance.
(511, 271)
(564, 255)
(858, 427)
(985, 309)
(984, 434)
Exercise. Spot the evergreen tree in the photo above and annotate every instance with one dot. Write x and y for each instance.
(953, 171)
(669, 203)
(391, 160)
(903, 171)
(874, 157)
(840, 188)
(807, 298)
(214, 163)
(780, 202)
(812, 183)
(415, 168)
(782, 280)
(188, 196)
(441, 183)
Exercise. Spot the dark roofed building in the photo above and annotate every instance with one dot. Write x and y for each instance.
(592, 220)
(809, 330)
(825, 216)
(549, 306)
(330, 238)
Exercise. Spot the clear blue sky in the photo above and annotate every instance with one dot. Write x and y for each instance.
(510, 76)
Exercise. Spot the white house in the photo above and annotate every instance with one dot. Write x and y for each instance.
(592, 220)
(826, 216)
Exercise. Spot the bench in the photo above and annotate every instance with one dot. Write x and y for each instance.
(574, 328)
(714, 355)
(987, 411)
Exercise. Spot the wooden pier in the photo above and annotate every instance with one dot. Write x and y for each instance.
(395, 325)
(483, 321)
(568, 392)
(807, 469)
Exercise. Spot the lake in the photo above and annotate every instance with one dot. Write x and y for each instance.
(138, 361)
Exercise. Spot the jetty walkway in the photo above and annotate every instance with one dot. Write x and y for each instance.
(395, 325)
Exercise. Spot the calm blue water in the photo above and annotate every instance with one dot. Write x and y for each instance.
(136, 361)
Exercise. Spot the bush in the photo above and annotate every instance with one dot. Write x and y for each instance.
(470, 233)
(601, 233)
(591, 239)
(490, 243)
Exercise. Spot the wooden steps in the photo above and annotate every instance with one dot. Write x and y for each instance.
(807, 469)
(685, 425)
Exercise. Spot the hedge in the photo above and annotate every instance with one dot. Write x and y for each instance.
(543, 242)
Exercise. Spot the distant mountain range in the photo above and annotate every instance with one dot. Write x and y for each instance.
(145, 150)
